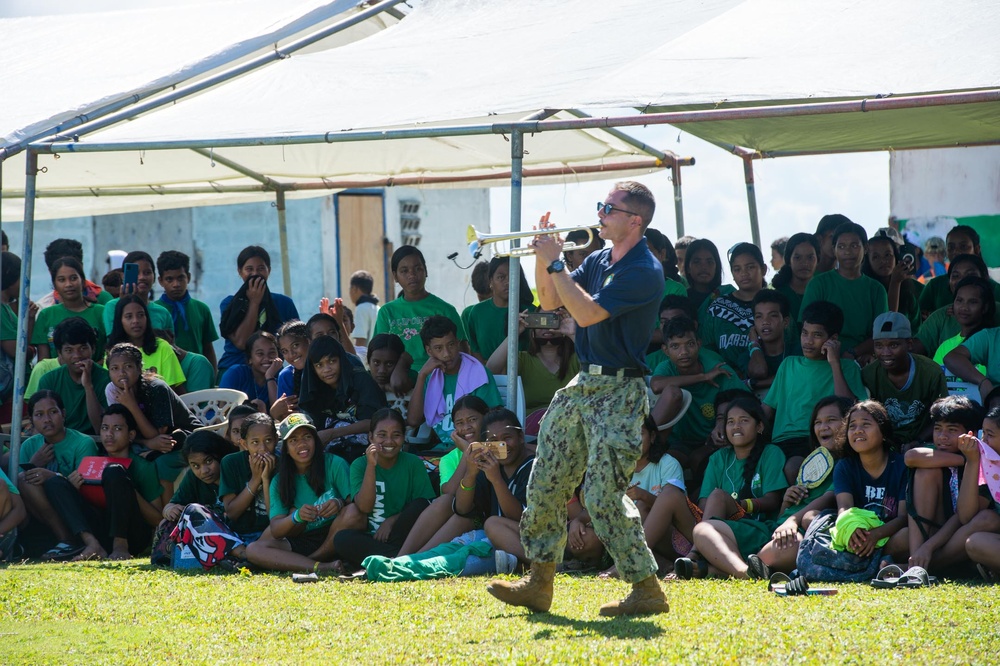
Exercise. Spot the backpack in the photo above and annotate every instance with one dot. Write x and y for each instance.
(818, 561)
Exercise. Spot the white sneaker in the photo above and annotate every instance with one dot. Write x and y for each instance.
(505, 562)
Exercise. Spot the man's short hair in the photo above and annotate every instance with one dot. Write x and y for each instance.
(825, 314)
(113, 278)
(957, 409)
(772, 296)
(481, 278)
(638, 199)
(437, 326)
(778, 244)
(3, 238)
(173, 260)
(63, 247)
(678, 327)
(74, 331)
(363, 280)
(251, 251)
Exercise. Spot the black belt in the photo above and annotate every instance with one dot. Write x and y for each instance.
(591, 369)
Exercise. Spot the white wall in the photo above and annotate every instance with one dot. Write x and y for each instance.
(953, 182)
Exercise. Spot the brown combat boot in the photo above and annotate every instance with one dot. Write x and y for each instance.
(534, 591)
(646, 598)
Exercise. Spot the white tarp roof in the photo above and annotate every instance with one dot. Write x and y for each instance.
(53, 68)
(447, 60)
(479, 61)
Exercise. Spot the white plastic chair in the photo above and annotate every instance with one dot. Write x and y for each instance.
(212, 406)
(965, 389)
(501, 381)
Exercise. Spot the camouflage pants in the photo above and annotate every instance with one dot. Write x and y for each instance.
(593, 425)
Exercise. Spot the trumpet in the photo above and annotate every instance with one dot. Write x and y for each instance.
(477, 240)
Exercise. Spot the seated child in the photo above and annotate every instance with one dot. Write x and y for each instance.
(199, 373)
(79, 381)
(251, 376)
(132, 324)
(770, 338)
(235, 422)
(872, 476)
(654, 471)
(447, 375)
(671, 306)
(158, 412)
(802, 381)
(935, 476)
(339, 396)
(697, 370)
(749, 481)
(427, 532)
(47, 458)
(979, 496)
(245, 477)
(800, 504)
(307, 501)
(390, 487)
(293, 344)
(203, 452)
(194, 329)
(160, 316)
(905, 383)
(495, 486)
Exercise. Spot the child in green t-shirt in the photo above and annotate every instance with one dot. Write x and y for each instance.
(447, 375)
(203, 452)
(245, 479)
(700, 372)
(768, 338)
(748, 479)
(194, 329)
(801, 381)
(391, 488)
(308, 500)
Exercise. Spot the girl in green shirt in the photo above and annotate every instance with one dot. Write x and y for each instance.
(69, 282)
(703, 270)
(726, 323)
(801, 257)
(751, 481)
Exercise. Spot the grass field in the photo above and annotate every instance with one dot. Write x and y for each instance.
(129, 613)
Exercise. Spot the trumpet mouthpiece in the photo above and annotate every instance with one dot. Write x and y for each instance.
(474, 248)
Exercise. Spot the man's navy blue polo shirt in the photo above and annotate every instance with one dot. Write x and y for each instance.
(630, 290)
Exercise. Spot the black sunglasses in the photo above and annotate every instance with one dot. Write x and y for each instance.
(608, 208)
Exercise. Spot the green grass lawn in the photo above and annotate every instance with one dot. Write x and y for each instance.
(118, 613)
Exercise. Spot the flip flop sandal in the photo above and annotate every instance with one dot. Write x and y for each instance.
(888, 577)
(776, 580)
(987, 574)
(62, 551)
(916, 577)
(689, 569)
(797, 586)
(360, 574)
(757, 569)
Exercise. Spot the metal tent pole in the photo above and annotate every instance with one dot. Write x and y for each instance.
(751, 199)
(286, 269)
(21, 360)
(675, 174)
(514, 286)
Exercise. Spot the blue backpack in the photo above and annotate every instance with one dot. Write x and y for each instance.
(818, 561)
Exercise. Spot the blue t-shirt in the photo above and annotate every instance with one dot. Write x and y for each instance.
(882, 495)
(231, 355)
(630, 291)
(286, 381)
(240, 377)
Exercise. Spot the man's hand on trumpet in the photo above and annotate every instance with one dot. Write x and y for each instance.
(548, 247)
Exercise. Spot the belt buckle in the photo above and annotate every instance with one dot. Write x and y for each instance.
(594, 370)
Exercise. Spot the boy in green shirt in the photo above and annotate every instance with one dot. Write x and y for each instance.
(194, 329)
(447, 375)
(803, 380)
(905, 383)
(699, 371)
(79, 381)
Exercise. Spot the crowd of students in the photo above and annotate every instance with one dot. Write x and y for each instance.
(374, 443)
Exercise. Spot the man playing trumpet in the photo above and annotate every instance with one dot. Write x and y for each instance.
(594, 423)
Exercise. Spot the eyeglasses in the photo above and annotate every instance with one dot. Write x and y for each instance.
(609, 208)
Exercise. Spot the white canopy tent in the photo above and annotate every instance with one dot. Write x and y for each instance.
(450, 80)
